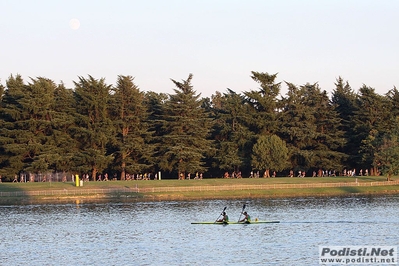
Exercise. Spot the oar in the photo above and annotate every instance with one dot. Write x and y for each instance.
(220, 214)
(243, 207)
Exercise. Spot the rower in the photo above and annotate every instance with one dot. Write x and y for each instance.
(224, 218)
(246, 219)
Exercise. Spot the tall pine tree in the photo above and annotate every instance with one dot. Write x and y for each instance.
(310, 126)
(263, 104)
(187, 128)
(94, 127)
(129, 116)
(344, 102)
(28, 130)
(371, 121)
(232, 136)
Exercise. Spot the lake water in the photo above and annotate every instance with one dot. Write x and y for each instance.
(161, 233)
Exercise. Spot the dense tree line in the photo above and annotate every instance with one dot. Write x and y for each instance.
(97, 127)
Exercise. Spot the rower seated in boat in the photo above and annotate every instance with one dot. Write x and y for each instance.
(224, 218)
(246, 219)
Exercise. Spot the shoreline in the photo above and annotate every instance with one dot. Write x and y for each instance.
(167, 198)
(172, 190)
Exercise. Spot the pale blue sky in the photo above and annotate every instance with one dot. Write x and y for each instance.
(219, 41)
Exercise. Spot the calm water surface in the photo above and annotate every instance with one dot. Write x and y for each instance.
(161, 233)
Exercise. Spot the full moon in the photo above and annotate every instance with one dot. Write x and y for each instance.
(74, 24)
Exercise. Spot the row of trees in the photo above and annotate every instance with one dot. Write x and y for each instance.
(97, 127)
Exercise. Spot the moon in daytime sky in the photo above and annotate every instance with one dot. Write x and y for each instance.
(74, 24)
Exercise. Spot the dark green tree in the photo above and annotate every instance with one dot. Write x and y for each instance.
(263, 105)
(270, 152)
(393, 103)
(3, 156)
(63, 122)
(298, 128)
(48, 122)
(371, 121)
(129, 116)
(155, 104)
(310, 126)
(344, 102)
(187, 127)
(232, 137)
(12, 111)
(28, 129)
(387, 155)
(387, 152)
(1, 92)
(94, 129)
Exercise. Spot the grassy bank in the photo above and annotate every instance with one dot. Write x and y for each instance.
(195, 189)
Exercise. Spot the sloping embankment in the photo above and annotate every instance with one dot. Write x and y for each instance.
(81, 192)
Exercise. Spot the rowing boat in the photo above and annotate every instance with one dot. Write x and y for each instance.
(224, 223)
